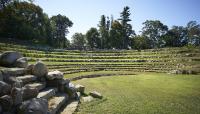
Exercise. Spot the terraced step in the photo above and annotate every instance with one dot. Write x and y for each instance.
(47, 93)
(70, 108)
(38, 85)
(27, 79)
(56, 102)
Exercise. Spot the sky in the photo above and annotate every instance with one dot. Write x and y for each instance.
(86, 13)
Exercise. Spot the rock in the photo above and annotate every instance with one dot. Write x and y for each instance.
(70, 108)
(34, 106)
(8, 58)
(16, 94)
(6, 102)
(21, 62)
(4, 88)
(78, 95)
(87, 99)
(38, 85)
(13, 72)
(13, 81)
(96, 94)
(29, 69)
(54, 75)
(47, 93)
(1, 109)
(29, 93)
(70, 90)
(57, 83)
(56, 102)
(1, 76)
(27, 79)
(40, 69)
(80, 88)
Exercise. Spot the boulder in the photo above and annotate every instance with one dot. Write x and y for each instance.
(40, 69)
(80, 88)
(58, 83)
(54, 75)
(96, 94)
(16, 94)
(13, 81)
(21, 62)
(70, 90)
(29, 93)
(6, 102)
(4, 88)
(1, 110)
(8, 58)
(34, 106)
(29, 69)
(87, 99)
(1, 76)
(13, 72)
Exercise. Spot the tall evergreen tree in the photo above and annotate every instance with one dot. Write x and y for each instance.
(126, 27)
(104, 31)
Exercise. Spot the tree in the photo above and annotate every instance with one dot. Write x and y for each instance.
(176, 37)
(116, 39)
(4, 3)
(140, 42)
(78, 41)
(93, 40)
(193, 33)
(60, 25)
(126, 27)
(25, 21)
(154, 30)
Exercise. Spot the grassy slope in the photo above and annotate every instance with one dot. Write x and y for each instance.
(145, 93)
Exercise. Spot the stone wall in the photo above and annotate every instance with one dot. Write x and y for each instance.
(31, 88)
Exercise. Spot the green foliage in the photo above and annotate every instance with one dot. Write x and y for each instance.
(78, 41)
(126, 27)
(93, 39)
(193, 33)
(154, 30)
(24, 21)
(60, 25)
(104, 32)
(140, 42)
(176, 37)
(116, 35)
(4, 3)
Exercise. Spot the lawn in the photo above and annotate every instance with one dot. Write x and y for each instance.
(144, 93)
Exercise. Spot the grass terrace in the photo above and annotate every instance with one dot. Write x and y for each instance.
(74, 62)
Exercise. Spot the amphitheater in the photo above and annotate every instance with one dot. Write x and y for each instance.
(48, 83)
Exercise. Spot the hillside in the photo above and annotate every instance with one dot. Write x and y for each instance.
(72, 62)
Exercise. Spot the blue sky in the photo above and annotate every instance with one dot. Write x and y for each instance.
(86, 13)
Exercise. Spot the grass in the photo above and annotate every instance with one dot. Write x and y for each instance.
(144, 93)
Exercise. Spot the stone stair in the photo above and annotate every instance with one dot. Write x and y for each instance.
(56, 102)
(55, 98)
(38, 85)
(34, 89)
(27, 79)
(47, 93)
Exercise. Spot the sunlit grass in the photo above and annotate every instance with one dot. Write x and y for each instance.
(145, 93)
